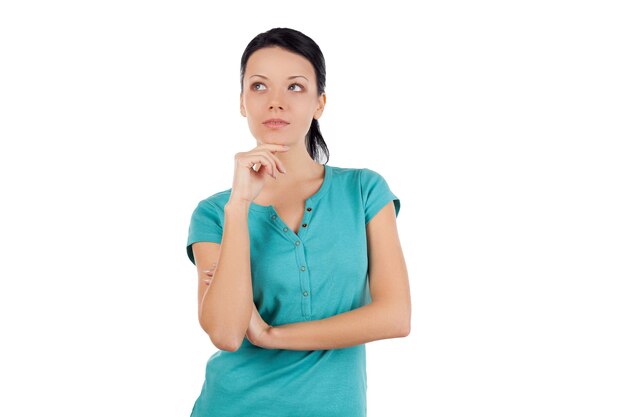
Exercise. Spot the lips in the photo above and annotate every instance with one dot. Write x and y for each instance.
(275, 122)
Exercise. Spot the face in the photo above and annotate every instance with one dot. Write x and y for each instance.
(279, 84)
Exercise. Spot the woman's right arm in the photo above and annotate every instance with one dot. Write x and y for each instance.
(225, 308)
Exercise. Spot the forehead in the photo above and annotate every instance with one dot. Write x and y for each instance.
(274, 62)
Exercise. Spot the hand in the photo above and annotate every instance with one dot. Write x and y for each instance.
(258, 329)
(209, 273)
(248, 182)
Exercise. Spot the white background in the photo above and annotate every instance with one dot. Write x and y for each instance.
(500, 125)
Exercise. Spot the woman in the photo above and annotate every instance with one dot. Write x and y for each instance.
(284, 256)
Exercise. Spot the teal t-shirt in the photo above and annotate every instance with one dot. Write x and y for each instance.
(319, 272)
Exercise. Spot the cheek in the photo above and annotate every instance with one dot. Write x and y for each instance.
(251, 103)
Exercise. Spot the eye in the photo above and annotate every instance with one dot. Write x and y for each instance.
(255, 84)
(301, 87)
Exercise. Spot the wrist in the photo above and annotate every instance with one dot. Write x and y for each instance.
(236, 205)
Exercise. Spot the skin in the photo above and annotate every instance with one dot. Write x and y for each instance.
(389, 313)
(294, 100)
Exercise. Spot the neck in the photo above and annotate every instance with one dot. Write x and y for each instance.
(299, 165)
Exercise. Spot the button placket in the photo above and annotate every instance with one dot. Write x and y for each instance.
(298, 242)
(305, 276)
(305, 285)
(304, 226)
(306, 219)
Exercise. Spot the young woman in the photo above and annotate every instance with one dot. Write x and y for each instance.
(299, 263)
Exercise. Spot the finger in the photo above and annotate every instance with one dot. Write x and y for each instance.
(265, 160)
(274, 147)
(262, 160)
(278, 163)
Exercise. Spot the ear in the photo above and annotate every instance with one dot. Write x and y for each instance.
(242, 110)
(320, 106)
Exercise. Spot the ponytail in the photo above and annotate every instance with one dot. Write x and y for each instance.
(315, 142)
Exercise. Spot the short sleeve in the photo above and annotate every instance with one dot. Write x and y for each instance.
(205, 226)
(376, 194)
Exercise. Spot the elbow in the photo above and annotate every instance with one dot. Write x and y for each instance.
(226, 342)
(399, 322)
(231, 346)
(405, 327)
(226, 335)
(405, 320)
(406, 330)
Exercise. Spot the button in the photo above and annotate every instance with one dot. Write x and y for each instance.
(304, 225)
(302, 268)
(273, 217)
(285, 229)
(306, 293)
(309, 209)
(297, 243)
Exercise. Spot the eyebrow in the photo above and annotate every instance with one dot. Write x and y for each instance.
(289, 78)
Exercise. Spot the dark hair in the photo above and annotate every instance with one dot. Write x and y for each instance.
(301, 44)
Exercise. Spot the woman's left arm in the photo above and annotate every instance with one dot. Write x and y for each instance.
(387, 316)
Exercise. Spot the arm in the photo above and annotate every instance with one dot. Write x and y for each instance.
(226, 306)
(387, 316)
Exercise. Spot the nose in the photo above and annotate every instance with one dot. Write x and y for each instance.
(275, 102)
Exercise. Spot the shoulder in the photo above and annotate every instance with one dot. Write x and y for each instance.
(359, 179)
(375, 193)
(368, 175)
(216, 201)
(211, 208)
(354, 175)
